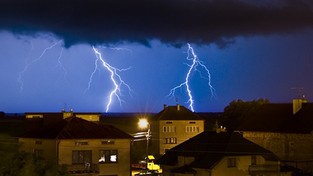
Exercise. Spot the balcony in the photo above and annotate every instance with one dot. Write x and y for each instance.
(264, 168)
(77, 169)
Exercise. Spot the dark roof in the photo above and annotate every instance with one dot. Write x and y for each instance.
(77, 128)
(177, 113)
(279, 117)
(209, 148)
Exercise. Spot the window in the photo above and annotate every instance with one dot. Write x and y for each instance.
(191, 129)
(170, 140)
(38, 153)
(107, 142)
(231, 162)
(192, 122)
(108, 156)
(81, 156)
(168, 129)
(38, 142)
(253, 160)
(168, 122)
(81, 143)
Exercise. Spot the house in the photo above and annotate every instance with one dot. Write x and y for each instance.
(224, 153)
(81, 146)
(286, 129)
(174, 125)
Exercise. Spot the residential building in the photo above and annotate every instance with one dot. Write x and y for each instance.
(214, 154)
(81, 146)
(286, 129)
(174, 125)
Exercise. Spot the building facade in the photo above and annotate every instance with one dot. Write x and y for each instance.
(285, 129)
(215, 154)
(81, 146)
(174, 125)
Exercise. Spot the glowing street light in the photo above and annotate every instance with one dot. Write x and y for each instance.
(143, 124)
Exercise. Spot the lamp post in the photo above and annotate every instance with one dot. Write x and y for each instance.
(144, 124)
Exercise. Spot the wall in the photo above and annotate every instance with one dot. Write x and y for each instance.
(121, 168)
(180, 132)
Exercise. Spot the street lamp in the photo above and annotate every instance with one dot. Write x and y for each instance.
(144, 124)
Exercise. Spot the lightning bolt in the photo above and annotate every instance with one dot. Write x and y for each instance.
(114, 76)
(29, 63)
(191, 56)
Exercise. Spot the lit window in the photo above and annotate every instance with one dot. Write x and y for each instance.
(107, 142)
(108, 156)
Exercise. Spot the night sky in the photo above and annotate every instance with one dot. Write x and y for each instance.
(252, 50)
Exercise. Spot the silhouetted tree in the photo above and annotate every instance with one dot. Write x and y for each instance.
(15, 163)
(235, 112)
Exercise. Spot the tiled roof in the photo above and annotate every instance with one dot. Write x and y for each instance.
(209, 148)
(77, 128)
(279, 117)
(177, 113)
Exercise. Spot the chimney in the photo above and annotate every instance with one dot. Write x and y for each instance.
(164, 106)
(178, 107)
(297, 104)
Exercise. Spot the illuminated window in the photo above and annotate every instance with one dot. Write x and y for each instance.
(108, 156)
(107, 142)
(81, 156)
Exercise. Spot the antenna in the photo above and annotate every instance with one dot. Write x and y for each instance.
(298, 92)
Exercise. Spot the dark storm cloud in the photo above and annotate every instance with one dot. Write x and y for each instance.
(170, 21)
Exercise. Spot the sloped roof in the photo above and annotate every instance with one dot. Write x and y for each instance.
(209, 148)
(177, 113)
(77, 128)
(279, 117)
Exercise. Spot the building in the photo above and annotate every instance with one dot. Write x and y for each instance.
(174, 125)
(81, 146)
(286, 129)
(214, 154)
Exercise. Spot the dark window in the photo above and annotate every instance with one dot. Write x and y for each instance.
(38, 142)
(38, 153)
(231, 162)
(108, 156)
(81, 156)
(253, 160)
(192, 122)
(170, 140)
(168, 122)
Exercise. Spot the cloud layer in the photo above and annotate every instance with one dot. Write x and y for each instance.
(170, 21)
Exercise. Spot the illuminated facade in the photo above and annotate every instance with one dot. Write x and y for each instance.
(176, 124)
(214, 154)
(81, 146)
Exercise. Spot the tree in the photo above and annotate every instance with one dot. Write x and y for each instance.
(236, 111)
(16, 163)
